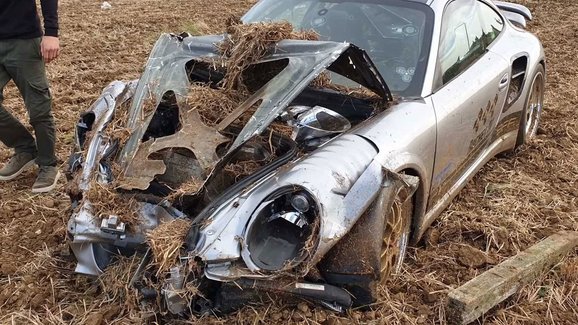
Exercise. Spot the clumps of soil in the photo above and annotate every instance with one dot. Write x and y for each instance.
(166, 241)
(472, 257)
(246, 44)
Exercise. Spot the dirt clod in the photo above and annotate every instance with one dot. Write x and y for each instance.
(471, 257)
(303, 307)
(94, 319)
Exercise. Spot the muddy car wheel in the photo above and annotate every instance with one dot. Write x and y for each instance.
(532, 112)
(395, 238)
(373, 250)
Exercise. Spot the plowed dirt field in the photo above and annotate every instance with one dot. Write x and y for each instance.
(515, 201)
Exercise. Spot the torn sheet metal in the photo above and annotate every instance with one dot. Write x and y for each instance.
(307, 60)
(341, 176)
(343, 188)
(103, 110)
(193, 135)
(166, 72)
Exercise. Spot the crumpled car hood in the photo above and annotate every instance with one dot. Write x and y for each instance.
(166, 72)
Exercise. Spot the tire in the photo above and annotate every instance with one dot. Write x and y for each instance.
(533, 106)
(371, 252)
(396, 236)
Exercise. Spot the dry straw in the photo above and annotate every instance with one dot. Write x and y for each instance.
(246, 44)
(166, 242)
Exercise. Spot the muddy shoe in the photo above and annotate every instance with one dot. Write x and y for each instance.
(16, 165)
(46, 180)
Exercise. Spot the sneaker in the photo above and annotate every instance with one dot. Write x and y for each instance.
(16, 165)
(46, 180)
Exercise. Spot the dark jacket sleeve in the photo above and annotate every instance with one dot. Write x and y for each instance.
(50, 14)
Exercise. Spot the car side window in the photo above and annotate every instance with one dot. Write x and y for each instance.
(492, 23)
(468, 27)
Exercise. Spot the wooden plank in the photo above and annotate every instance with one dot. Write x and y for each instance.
(483, 292)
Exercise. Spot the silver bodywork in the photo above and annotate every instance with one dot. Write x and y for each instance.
(436, 138)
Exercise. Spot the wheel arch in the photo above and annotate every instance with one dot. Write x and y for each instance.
(419, 202)
(521, 137)
(542, 62)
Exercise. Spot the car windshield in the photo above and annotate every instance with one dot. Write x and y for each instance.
(396, 34)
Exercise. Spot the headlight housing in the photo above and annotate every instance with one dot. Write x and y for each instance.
(282, 230)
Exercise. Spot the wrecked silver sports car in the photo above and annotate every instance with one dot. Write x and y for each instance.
(307, 170)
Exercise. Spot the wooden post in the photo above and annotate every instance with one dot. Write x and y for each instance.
(483, 292)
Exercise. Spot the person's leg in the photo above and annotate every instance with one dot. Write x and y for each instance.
(12, 133)
(26, 67)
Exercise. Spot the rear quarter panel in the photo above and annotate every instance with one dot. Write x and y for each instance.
(512, 44)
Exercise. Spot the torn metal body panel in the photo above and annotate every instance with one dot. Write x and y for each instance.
(166, 73)
(306, 61)
(194, 136)
(101, 113)
(341, 190)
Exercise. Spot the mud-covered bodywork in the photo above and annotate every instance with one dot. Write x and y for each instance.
(283, 218)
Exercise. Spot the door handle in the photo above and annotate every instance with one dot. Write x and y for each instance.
(504, 82)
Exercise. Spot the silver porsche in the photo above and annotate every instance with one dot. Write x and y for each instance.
(333, 204)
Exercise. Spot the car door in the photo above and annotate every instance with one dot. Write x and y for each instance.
(472, 84)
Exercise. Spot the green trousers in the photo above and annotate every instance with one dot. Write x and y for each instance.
(21, 61)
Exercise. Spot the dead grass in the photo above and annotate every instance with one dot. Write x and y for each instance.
(242, 169)
(105, 201)
(118, 128)
(247, 44)
(114, 283)
(166, 242)
(190, 187)
(212, 104)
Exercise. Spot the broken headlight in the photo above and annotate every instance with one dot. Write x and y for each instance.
(282, 231)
